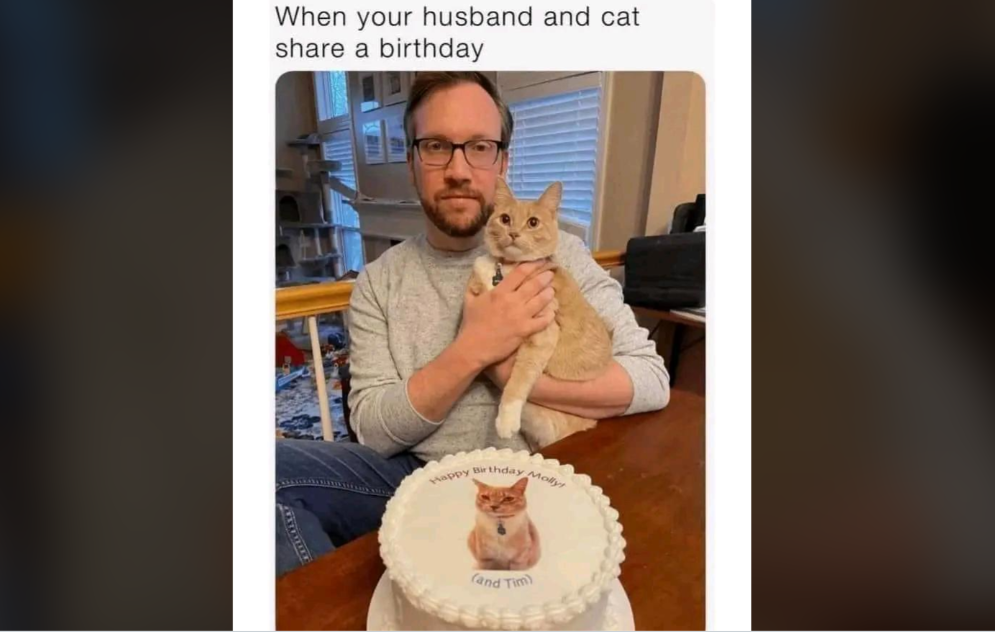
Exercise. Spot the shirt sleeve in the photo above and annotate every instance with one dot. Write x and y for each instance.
(380, 411)
(631, 345)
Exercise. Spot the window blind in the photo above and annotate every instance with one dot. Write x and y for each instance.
(338, 146)
(556, 138)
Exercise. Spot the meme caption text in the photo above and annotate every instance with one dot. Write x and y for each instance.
(326, 45)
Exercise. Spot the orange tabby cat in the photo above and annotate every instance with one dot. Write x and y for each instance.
(503, 537)
(576, 346)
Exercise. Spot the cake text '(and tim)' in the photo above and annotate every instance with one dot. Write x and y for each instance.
(502, 582)
(496, 469)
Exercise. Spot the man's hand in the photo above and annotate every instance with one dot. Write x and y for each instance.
(496, 323)
(500, 372)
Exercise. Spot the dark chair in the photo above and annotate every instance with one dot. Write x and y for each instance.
(688, 216)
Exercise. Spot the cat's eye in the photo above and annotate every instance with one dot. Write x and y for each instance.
(506, 219)
(506, 500)
(533, 222)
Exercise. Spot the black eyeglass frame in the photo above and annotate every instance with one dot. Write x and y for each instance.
(501, 145)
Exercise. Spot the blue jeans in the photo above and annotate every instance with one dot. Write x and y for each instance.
(328, 494)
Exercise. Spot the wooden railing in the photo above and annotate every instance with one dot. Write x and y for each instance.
(311, 300)
(308, 301)
(323, 298)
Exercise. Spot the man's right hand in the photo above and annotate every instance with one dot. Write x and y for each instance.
(497, 322)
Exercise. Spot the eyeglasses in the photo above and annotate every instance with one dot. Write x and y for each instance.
(438, 152)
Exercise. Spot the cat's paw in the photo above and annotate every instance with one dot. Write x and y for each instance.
(509, 419)
(476, 286)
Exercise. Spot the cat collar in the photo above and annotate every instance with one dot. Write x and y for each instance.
(497, 279)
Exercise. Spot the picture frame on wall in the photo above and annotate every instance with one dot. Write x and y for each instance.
(397, 150)
(395, 87)
(373, 147)
(370, 91)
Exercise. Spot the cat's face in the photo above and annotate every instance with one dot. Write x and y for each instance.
(501, 502)
(523, 230)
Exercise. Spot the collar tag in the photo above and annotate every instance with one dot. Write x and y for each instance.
(497, 278)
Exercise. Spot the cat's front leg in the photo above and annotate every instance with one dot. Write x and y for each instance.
(492, 565)
(509, 419)
(523, 564)
(476, 286)
(481, 275)
(529, 364)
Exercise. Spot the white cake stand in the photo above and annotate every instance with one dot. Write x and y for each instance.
(381, 615)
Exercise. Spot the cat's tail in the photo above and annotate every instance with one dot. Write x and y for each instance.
(542, 426)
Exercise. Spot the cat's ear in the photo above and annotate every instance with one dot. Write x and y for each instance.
(520, 485)
(550, 198)
(479, 484)
(502, 193)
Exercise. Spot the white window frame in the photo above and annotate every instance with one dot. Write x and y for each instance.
(336, 123)
(524, 86)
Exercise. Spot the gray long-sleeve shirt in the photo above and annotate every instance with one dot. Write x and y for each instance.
(406, 309)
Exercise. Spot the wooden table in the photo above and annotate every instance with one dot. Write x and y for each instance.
(652, 466)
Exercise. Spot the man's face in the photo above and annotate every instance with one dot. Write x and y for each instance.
(457, 198)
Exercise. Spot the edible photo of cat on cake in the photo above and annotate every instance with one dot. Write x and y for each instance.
(503, 537)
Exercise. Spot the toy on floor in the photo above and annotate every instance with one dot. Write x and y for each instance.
(289, 376)
(285, 348)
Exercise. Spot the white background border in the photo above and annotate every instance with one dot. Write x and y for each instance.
(673, 36)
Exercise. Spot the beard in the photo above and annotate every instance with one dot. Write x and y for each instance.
(444, 224)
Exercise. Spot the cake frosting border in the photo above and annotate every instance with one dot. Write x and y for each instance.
(530, 616)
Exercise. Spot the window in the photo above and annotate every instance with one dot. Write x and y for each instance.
(338, 146)
(557, 126)
(332, 95)
(332, 99)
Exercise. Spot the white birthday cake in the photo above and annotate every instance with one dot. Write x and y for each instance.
(496, 539)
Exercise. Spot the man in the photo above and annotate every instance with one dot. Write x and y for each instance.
(428, 359)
